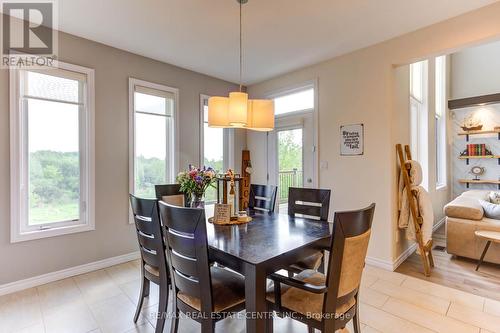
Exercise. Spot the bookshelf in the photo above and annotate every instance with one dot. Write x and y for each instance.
(467, 158)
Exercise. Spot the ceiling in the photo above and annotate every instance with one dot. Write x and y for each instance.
(279, 35)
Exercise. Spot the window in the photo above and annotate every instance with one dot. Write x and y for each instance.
(300, 100)
(419, 141)
(214, 147)
(152, 140)
(440, 124)
(52, 164)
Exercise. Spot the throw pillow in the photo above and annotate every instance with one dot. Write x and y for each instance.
(491, 210)
(495, 197)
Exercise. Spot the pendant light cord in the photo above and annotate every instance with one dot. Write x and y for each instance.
(241, 47)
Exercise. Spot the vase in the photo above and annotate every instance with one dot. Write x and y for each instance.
(198, 201)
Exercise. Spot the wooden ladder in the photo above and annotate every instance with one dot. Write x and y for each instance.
(425, 249)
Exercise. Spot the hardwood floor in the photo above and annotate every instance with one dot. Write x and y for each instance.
(104, 301)
(456, 272)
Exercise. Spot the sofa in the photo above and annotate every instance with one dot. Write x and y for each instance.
(464, 216)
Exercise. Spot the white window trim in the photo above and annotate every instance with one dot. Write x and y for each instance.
(313, 84)
(16, 140)
(131, 112)
(228, 141)
(441, 126)
(315, 111)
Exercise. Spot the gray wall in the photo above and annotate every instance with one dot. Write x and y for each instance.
(113, 235)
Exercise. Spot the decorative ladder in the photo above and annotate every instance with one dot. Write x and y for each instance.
(425, 249)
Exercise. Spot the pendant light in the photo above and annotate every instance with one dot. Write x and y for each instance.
(237, 110)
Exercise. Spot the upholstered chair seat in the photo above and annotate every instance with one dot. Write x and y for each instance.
(228, 290)
(305, 302)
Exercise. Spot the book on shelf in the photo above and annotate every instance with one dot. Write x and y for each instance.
(477, 149)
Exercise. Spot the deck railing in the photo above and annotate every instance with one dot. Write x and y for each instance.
(288, 179)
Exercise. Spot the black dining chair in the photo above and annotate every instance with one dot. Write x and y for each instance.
(262, 197)
(205, 293)
(314, 204)
(328, 302)
(153, 259)
(171, 193)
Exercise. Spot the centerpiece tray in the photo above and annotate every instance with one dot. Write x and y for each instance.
(233, 221)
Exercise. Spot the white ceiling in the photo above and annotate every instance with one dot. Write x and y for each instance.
(279, 35)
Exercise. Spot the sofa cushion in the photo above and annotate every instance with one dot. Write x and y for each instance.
(477, 194)
(491, 210)
(465, 207)
(494, 197)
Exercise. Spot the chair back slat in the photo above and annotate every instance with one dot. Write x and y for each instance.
(312, 203)
(184, 264)
(187, 251)
(262, 197)
(182, 242)
(171, 194)
(150, 235)
(349, 246)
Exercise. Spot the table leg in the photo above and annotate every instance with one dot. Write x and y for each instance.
(255, 298)
(483, 254)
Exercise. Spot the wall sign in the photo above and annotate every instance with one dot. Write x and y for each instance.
(352, 140)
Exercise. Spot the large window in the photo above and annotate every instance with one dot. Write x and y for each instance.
(419, 141)
(440, 124)
(152, 140)
(214, 147)
(52, 161)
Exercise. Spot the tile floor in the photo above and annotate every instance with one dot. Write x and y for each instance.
(104, 301)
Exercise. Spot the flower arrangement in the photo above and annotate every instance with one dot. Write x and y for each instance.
(195, 181)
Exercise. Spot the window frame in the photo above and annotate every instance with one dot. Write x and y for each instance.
(228, 141)
(174, 153)
(419, 122)
(20, 230)
(441, 122)
(310, 85)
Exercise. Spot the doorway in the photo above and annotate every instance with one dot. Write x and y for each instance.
(291, 155)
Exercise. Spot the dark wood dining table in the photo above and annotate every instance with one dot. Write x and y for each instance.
(267, 244)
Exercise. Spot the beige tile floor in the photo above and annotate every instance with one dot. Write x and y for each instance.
(104, 301)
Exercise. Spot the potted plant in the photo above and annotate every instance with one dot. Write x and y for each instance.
(194, 183)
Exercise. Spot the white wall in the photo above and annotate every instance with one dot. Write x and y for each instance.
(475, 71)
(113, 235)
(360, 88)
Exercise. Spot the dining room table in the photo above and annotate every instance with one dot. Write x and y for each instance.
(267, 244)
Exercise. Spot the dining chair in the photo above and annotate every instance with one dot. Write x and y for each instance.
(171, 193)
(262, 197)
(153, 259)
(314, 204)
(203, 292)
(328, 303)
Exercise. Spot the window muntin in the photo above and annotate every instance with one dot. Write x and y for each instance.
(153, 138)
(52, 151)
(293, 102)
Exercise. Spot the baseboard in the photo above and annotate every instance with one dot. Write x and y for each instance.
(409, 251)
(439, 224)
(66, 273)
(384, 264)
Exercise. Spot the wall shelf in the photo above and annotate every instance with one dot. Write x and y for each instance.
(467, 158)
(473, 181)
(469, 133)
